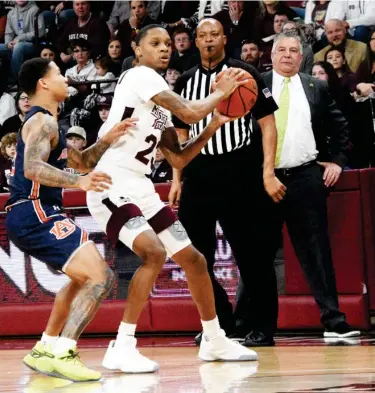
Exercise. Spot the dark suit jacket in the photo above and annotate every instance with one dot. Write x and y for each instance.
(328, 123)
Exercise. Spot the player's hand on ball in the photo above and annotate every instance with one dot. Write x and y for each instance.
(222, 119)
(118, 130)
(228, 81)
(274, 188)
(95, 181)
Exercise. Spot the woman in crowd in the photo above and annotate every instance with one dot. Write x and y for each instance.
(12, 124)
(115, 54)
(336, 57)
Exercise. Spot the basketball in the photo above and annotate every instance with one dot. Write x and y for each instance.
(240, 102)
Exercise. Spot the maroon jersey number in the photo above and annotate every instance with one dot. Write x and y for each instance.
(142, 155)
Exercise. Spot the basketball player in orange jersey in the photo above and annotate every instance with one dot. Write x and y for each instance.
(131, 211)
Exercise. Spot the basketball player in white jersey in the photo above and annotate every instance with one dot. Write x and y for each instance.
(131, 210)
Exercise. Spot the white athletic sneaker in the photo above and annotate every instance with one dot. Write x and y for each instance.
(128, 359)
(221, 348)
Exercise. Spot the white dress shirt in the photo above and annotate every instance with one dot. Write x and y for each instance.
(299, 145)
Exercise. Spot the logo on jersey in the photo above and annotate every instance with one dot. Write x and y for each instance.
(64, 154)
(62, 229)
(160, 118)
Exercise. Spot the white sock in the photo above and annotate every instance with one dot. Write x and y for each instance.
(211, 328)
(125, 331)
(48, 340)
(63, 344)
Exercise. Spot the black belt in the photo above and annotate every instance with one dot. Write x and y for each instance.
(285, 172)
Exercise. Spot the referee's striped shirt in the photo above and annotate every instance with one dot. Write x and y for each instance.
(195, 84)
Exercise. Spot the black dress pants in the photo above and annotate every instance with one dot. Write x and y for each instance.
(235, 201)
(304, 209)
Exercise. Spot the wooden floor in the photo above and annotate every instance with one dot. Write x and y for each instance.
(294, 365)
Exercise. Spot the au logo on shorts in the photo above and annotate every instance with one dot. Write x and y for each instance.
(62, 229)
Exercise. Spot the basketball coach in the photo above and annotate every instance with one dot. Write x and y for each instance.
(311, 152)
(225, 183)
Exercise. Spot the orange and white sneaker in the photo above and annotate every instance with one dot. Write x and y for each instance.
(128, 359)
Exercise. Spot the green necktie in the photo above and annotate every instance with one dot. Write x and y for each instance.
(282, 119)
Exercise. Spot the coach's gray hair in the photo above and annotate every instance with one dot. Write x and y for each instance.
(280, 36)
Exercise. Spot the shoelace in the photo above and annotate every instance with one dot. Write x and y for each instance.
(73, 357)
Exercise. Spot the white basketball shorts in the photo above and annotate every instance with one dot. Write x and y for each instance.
(132, 206)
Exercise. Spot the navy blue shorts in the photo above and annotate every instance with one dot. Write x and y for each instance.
(44, 232)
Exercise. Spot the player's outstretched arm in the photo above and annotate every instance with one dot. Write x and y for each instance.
(86, 160)
(179, 156)
(193, 111)
(40, 133)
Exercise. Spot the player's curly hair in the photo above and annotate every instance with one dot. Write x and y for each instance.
(6, 140)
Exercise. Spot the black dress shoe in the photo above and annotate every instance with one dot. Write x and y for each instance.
(258, 339)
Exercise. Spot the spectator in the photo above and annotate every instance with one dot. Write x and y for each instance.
(48, 51)
(355, 52)
(251, 54)
(336, 58)
(205, 9)
(263, 22)
(13, 124)
(20, 34)
(8, 152)
(85, 26)
(344, 100)
(172, 74)
(130, 61)
(103, 105)
(121, 12)
(77, 137)
(7, 105)
(129, 28)
(236, 21)
(60, 10)
(102, 66)
(279, 21)
(115, 54)
(315, 14)
(185, 54)
(308, 55)
(85, 68)
(162, 170)
(358, 16)
(366, 71)
(174, 13)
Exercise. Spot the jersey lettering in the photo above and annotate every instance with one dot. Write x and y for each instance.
(62, 229)
(160, 118)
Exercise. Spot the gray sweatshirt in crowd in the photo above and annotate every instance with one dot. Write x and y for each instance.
(20, 23)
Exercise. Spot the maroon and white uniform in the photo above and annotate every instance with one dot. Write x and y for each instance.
(132, 206)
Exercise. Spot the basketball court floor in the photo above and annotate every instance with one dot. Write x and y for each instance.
(296, 364)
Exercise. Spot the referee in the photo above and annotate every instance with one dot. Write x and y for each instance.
(225, 182)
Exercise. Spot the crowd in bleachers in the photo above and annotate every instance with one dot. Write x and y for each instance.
(92, 42)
